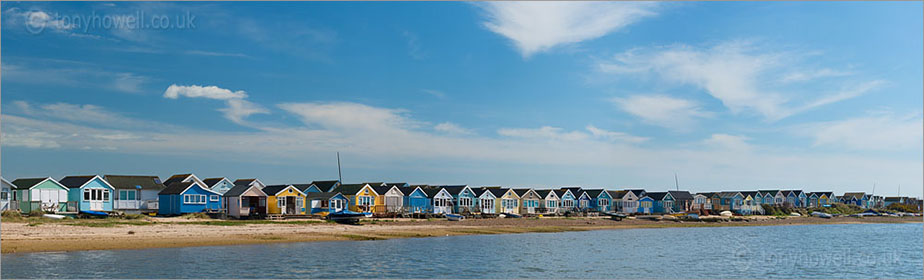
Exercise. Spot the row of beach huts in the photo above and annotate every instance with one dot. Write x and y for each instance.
(250, 198)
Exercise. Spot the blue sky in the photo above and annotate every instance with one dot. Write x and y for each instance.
(819, 96)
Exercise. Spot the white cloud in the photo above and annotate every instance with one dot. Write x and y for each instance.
(540, 26)
(128, 82)
(614, 135)
(451, 128)
(237, 107)
(544, 156)
(74, 74)
(660, 110)
(211, 92)
(737, 73)
(879, 132)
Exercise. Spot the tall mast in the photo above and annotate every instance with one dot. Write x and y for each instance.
(339, 173)
(676, 182)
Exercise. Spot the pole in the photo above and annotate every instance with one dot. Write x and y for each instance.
(339, 173)
(676, 182)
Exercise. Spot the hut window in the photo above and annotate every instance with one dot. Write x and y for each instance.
(4, 195)
(86, 194)
(105, 195)
(214, 197)
(465, 201)
(299, 202)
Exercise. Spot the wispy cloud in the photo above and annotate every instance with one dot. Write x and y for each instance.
(433, 92)
(738, 73)
(615, 135)
(414, 48)
(75, 75)
(540, 26)
(387, 136)
(661, 110)
(209, 53)
(451, 128)
(875, 132)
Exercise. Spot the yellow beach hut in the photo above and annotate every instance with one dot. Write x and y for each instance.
(285, 200)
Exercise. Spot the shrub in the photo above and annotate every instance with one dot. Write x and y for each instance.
(133, 216)
(11, 215)
(902, 208)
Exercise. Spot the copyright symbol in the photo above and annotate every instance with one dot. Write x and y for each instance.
(36, 21)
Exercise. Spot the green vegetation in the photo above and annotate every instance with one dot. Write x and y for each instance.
(773, 210)
(191, 216)
(896, 207)
(837, 208)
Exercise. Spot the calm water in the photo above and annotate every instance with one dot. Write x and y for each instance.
(817, 251)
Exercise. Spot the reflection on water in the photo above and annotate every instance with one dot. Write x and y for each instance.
(812, 251)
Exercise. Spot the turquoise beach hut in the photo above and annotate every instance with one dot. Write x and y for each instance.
(91, 192)
(567, 200)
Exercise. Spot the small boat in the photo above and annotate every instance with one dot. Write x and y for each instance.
(794, 214)
(822, 215)
(726, 213)
(345, 217)
(454, 217)
(54, 216)
(511, 215)
(94, 213)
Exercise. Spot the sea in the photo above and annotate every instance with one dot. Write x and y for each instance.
(800, 251)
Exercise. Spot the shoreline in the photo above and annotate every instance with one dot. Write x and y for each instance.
(24, 237)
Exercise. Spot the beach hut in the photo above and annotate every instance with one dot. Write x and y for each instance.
(706, 201)
(529, 200)
(683, 201)
(416, 200)
(795, 198)
(731, 201)
(245, 201)
(6, 188)
(772, 197)
(583, 201)
(323, 203)
(441, 200)
(463, 198)
(663, 202)
(326, 186)
(307, 188)
(390, 197)
(361, 197)
(506, 200)
(485, 201)
(567, 201)
(548, 203)
(284, 200)
(750, 204)
(219, 185)
(599, 200)
(856, 198)
(826, 199)
(250, 181)
(135, 193)
(616, 202)
(40, 194)
(187, 177)
(188, 197)
(91, 192)
(646, 204)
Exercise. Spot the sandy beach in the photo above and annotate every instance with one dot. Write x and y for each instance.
(180, 232)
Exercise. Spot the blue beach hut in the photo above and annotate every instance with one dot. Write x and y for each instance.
(188, 197)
